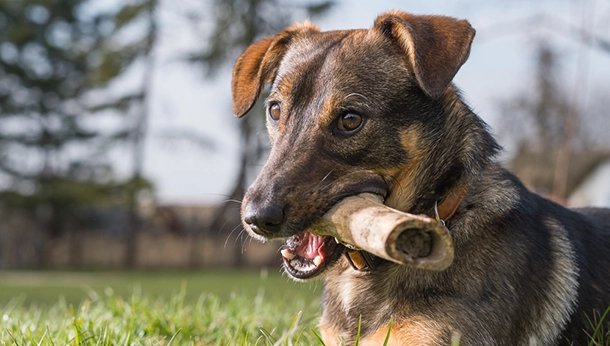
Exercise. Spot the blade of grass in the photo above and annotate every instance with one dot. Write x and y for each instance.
(598, 331)
(267, 336)
(12, 337)
(48, 334)
(293, 327)
(358, 334)
(173, 337)
(387, 337)
(318, 337)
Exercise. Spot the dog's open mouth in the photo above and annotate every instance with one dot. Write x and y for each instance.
(306, 255)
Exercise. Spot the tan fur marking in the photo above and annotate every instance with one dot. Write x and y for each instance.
(418, 330)
(330, 335)
(405, 179)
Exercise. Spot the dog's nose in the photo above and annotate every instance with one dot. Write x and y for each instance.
(264, 220)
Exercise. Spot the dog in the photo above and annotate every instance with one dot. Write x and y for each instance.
(375, 110)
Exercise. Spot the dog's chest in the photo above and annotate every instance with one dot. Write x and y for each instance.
(350, 296)
(371, 302)
(363, 302)
(353, 290)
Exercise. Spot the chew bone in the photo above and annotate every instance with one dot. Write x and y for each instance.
(364, 222)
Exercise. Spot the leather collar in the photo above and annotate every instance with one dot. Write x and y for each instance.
(363, 261)
(449, 205)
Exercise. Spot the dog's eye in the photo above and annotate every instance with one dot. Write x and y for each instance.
(275, 111)
(349, 122)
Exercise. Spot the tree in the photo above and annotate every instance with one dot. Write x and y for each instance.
(121, 55)
(53, 56)
(236, 25)
(542, 120)
(566, 149)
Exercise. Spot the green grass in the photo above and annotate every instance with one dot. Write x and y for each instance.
(47, 287)
(215, 308)
(222, 308)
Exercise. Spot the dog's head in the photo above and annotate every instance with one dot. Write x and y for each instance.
(349, 112)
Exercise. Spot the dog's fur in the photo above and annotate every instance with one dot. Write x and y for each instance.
(526, 272)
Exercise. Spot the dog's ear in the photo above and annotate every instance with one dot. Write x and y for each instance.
(436, 46)
(258, 65)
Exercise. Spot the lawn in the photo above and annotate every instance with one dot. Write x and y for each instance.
(164, 308)
(156, 308)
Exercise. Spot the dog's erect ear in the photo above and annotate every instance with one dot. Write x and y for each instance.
(436, 46)
(258, 65)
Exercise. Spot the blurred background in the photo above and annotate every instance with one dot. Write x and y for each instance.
(118, 149)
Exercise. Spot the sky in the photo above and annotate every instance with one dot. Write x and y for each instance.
(499, 67)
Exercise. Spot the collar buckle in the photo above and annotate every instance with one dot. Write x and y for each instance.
(361, 260)
(437, 216)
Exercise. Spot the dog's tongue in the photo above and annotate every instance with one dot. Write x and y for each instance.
(310, 246)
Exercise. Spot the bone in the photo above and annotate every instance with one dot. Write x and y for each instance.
(365, 223)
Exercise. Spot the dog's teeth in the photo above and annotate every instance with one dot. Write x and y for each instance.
(294, 264)
(288, 254)
(318, 260)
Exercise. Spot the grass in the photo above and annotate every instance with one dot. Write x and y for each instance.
(169, 308)
(217, 308)
(46, 287)
(600, 336)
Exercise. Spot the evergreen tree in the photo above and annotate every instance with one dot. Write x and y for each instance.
(56, 57)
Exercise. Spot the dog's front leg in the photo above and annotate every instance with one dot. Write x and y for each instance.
(416, 331)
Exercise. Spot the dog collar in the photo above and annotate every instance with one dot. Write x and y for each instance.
(363, 261)
(449, 206)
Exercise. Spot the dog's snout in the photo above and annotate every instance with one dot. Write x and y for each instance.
(265, 220)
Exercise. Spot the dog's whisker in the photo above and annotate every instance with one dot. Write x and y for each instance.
(231, 233)
(243, 241)
(227, 238)
(325, 177)
(222, 228)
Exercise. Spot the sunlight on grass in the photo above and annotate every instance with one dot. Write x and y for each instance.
(262, 311)
(108, 319)
(269, 312)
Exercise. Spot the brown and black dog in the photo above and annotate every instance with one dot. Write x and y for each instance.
(374, 111)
